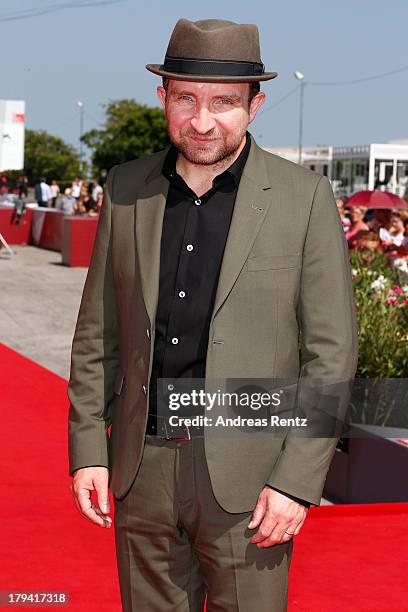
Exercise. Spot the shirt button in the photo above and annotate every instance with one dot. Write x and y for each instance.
(189, 247)
(182, 294)
(197, 202)
(174, 340)
(148, 333)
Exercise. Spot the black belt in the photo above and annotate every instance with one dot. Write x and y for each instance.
(160, 426)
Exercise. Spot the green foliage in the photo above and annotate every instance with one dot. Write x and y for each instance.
(381, 293)
(131, 131)
(49, 156)
(380, 393)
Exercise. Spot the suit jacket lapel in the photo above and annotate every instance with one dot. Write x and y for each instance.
(150, 207)
(251, 205)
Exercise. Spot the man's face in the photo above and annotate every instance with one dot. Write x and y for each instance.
(207, 121)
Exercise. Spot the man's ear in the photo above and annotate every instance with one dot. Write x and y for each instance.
(256, 104)
(161, 94)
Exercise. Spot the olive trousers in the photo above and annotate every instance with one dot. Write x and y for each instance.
(175, 544)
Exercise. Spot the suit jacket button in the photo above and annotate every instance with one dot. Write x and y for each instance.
(144, 389)
(148, 333)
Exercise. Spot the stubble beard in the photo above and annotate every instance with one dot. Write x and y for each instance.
(208, 154)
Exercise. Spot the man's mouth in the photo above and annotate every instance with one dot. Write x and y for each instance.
(200, 139)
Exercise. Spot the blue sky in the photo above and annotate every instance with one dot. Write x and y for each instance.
(96, 54)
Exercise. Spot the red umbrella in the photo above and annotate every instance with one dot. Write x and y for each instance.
(376, 199)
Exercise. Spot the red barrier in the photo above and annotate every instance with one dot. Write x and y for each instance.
(49, 228)
(12, 233)
(46, 228)
(78, 239)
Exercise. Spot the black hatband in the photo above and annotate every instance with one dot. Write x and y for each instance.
(212, 67)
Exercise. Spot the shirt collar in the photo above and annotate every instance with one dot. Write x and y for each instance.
(234, 171)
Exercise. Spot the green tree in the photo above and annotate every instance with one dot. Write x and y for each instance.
(49, 156)
(131, 131)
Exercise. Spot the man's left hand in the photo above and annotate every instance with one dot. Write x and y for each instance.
(278, 517)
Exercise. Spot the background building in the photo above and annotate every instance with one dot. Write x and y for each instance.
(357, 167)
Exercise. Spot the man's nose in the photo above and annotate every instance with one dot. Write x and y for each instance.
(203, 121)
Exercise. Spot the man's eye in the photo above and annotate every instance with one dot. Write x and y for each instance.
(185, 98)
(224, 101)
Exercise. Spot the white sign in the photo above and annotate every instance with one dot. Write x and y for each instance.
(12, 124)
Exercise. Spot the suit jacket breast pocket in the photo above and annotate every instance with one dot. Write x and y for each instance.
(273, 262)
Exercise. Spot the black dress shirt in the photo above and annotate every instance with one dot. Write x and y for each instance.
(194, 235)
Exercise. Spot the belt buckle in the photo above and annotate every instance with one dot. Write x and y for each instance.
(176, 438)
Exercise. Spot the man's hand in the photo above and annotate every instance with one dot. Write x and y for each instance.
(278, 517)
(86, 480)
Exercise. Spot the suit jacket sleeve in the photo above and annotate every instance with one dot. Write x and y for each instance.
(302, 502)
(327, 320)
(94, 356)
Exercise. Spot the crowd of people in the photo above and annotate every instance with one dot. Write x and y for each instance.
(377, 230)
(82, 198)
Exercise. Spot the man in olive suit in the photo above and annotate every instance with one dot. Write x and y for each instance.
(213, 260)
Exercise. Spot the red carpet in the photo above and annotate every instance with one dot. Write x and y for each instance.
(45, 544)
(346, 558)
(351, 557)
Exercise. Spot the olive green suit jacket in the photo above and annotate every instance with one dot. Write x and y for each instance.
(285, 274)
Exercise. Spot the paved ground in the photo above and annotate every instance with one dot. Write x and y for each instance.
(39, 301)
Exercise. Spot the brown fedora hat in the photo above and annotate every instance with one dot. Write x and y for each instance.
(213, 50)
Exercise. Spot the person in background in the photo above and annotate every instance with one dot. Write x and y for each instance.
(370, 241)
(43, 193)
(67, 203)
(345, 220)
(380, 219)
(393, 234)
(4, 184)
(84, 189)
(55, 191)
(94, 212)
(76, 188)
(22, 186)
(358, 225)
(85, 202)
(402, 249)
(96, 190)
